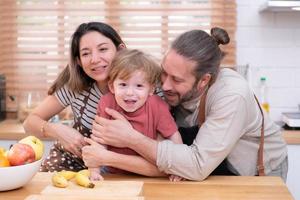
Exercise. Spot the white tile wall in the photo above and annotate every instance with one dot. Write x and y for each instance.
(297, 38)
(270, 43)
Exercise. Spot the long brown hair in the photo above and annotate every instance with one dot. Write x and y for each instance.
(73, 75)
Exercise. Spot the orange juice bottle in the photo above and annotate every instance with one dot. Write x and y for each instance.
(264, 94)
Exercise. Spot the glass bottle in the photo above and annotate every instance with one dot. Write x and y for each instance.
(264, 94)
(28, 101)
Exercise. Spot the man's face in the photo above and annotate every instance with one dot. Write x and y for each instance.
(178, 80)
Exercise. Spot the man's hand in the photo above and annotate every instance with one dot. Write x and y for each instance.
(117, 132)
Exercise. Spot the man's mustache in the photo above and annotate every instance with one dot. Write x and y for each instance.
(169, 92)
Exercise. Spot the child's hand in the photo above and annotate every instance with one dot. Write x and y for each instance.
(95, 174)
(175, 178)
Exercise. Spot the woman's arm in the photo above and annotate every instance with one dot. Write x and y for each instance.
(37, 124)
(95, 155)
(35, 121)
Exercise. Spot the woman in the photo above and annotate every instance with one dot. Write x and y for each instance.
(80, 85)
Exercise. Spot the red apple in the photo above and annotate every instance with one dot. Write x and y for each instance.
(36, 144)
(20, 154)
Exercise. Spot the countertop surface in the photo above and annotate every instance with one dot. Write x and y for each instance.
(13, 130)
(214, 187)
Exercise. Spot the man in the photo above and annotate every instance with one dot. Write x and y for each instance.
(218, 100)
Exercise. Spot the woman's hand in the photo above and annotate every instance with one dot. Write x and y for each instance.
(117, 132)
(94, 154)
(69, 137)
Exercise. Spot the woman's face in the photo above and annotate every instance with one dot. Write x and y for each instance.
(96, 53)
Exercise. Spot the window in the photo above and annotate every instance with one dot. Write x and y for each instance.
(35, 34)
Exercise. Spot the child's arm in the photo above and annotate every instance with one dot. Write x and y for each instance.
(95, 155)
(95, 174)
(176, 138)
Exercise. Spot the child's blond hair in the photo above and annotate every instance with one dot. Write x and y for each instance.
(127, 61)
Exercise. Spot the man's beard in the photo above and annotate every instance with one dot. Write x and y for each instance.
(192, 94)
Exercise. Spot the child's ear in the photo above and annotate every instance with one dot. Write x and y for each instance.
(111, 87)
(121, 46)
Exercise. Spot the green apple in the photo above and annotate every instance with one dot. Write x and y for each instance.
(36, 144)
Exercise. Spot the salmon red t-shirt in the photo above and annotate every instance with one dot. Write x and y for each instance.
(151, 119)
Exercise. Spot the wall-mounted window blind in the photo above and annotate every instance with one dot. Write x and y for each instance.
(35, 34)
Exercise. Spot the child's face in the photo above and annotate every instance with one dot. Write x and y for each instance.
(132, 94)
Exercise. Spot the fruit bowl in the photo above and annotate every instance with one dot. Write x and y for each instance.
(14, 177)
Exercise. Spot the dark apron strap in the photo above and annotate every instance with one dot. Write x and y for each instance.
(77, 125)
(260, 156)
(80, 128)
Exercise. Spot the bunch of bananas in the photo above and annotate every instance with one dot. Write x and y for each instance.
(60, 179)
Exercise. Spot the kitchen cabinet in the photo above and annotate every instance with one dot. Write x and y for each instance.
(293, 177)
(293, 140)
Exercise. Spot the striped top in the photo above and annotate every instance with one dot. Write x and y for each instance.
(67, 97)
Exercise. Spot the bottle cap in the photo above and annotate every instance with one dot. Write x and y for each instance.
(263, 78)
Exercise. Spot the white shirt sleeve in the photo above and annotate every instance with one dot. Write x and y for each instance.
(224, 125)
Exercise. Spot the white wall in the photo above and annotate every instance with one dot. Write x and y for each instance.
(270, 43)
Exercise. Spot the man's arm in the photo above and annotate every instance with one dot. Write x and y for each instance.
(216, 138)
(120, 133)
(94, 155)
(176, 138)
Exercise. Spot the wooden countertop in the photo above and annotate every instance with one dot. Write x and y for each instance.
(13, 130)
(215, 187)
(291, 137)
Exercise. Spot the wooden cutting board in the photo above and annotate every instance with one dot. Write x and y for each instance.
(101, 189)
(67, 197)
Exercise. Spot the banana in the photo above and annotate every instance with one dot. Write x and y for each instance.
(67, 174)
(2, 150)
(83, 180)
(85, 172)
(59, 181)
